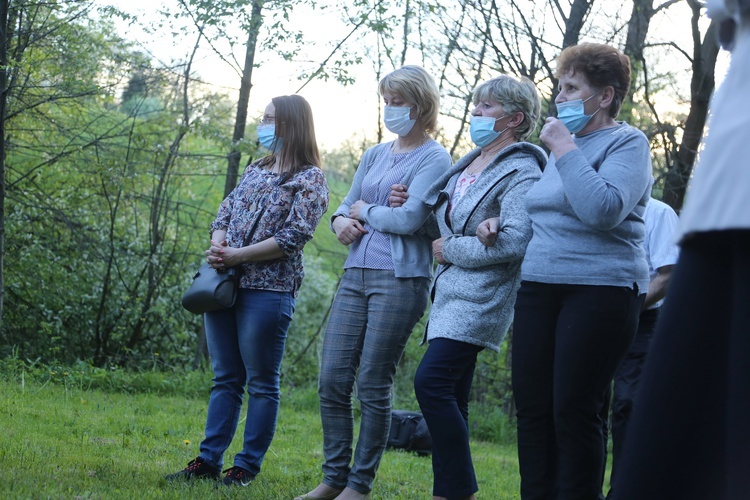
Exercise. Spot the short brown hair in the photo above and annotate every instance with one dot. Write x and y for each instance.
(415, 85)
(602, 65)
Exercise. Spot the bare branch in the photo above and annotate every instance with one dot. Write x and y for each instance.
(341, 43)
(665, 5)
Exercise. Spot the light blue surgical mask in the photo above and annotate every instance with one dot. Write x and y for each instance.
(573, 116)
(482, 130)
(397, 119)
(266, 137)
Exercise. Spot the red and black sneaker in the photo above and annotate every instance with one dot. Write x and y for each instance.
(237, 476)
(196, 469)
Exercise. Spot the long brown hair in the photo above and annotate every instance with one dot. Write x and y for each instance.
(295, 128)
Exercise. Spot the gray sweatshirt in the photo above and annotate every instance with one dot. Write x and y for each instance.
(474, 295)
(587, 213)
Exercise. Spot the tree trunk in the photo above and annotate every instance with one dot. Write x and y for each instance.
(702, 85)
(640, 19)
(256, 21)
(635, 41)
(233, 159)
(579, 10)
(407, 15)
(4, 38)
(159, 210)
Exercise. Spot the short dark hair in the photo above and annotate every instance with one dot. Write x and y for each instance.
(602, 65)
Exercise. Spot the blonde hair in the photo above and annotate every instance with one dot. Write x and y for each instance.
(516, 95)
(415, 85)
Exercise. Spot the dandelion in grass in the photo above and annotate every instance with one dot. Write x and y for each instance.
(187, 442)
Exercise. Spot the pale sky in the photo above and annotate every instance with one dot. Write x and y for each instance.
(340, 112)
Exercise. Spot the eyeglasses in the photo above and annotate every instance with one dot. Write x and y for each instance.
(268, 120)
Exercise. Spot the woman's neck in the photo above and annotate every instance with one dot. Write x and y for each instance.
(599, 121)
(411, 141)
(274, 167)
(497, 145)
(488, 154)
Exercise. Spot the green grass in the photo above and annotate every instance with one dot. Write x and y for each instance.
(69, 441)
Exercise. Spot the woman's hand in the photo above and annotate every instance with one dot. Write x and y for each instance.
(556, 136)
(347, 230)
(437, 250)
(215, 254)
(398, 195)
(487, 231)
(355, 211)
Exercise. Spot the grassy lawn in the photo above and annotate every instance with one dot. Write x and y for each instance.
(60, 441)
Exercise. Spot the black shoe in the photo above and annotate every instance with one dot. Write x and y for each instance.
(237, 476)
(196, 469)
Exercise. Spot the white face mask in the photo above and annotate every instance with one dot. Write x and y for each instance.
(397, 119)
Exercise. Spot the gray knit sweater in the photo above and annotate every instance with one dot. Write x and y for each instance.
(474, 295)
(587, 213)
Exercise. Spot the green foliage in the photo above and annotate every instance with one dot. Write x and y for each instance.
(113, 174)
(158, 380)
(306, 333)
(105, 218)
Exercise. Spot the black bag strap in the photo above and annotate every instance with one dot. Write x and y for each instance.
(250, 234)
(232, 271)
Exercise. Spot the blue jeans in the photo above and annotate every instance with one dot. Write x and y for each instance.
(442, 385)
(246, 345)
(372, 317)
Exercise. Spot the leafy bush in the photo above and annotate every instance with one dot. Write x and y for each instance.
(84, 376)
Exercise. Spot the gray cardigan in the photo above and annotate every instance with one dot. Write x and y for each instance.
(411, 251)
(474, 295)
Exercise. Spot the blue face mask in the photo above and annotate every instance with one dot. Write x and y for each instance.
(573, 116)
(397, 119)
(266, 137)
(482, 130)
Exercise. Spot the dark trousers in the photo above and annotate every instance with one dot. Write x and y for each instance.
(689, 437)
(442, 385)
(567, 343)
(625, 386)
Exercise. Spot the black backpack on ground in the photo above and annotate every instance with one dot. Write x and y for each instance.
(409, 432)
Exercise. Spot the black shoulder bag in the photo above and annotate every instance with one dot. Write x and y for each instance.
(212, 289)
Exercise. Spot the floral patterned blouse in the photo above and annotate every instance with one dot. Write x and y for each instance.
(287, 209)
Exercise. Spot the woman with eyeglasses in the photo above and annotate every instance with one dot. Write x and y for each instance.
(261, 228)
(383, 292)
